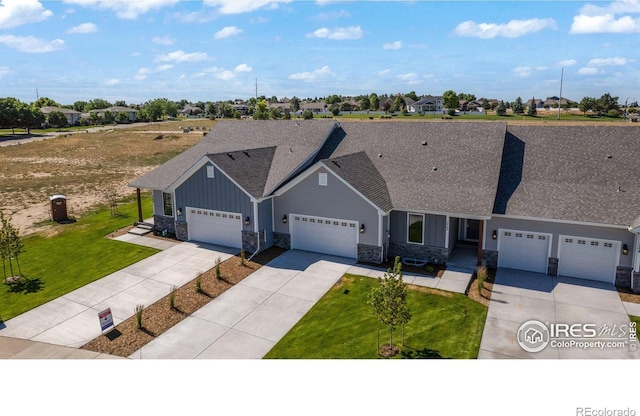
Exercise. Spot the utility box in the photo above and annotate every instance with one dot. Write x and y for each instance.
(59, 208)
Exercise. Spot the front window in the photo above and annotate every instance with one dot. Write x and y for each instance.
(416, 228)
(167, 201)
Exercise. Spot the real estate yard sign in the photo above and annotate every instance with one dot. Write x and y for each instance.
(106, 319)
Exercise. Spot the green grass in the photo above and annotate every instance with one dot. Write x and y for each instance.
(79, 254)
(636, 319)
(342, 325)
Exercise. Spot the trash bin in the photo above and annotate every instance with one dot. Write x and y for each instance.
(58, 208)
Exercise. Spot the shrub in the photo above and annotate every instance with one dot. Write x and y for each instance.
(199, 283)
(481, 275)
(242, 258)
(218, 272)
(138, 310)
(172, 297)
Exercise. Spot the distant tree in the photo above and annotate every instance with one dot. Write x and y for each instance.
(333, 99)
(345, 106)
(398, 104)
(587, 104)
(275, 113)
(501, 109)
(57, 119)
(109, 117)
(374, 101)
(532, 111)
(80, 106)
(307, 114)
(335, 110)
(97, 104)
(122, 117)
(606, 103)
(94, 118)
(518, 107)
(273, 99)
(120, 103)
(44, 102)
(294, 103)
(225, 110)
(154, 109)
(467, 97)
(9, 112)
(212, 110)
(30, 118)
(365, 103)
(412, 95)
(389, 300)
(450, 99)
(261, 113)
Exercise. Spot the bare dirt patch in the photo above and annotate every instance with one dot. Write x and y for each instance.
(81, 166)
(159, 317)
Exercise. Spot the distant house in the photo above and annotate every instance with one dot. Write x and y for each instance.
(242, 109)
(538, 103)
(131, 113)
(552, 102)
(191, 111)
(72, 116)
(317, 107)
(428, 104)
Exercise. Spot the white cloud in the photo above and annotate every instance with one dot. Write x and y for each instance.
(392, 45)
(243, 68)
(162, 68)
(83, 28)
(4, 70)
(608, 61)
(410, 78)
(113, 81)
(225, 75)
(163, 40)
(512, 29)
(243, 6)
(142, 74)
(338, 33)
(384, 72)
(180, 56)
(30, 44)
(125, 9)
(542, 68)
(599, 19)
(19, 12)
(134, 54)
(332, 15)
(315, 75)
(227, 32)
(588, 71)
(567, 62)
(522, 71)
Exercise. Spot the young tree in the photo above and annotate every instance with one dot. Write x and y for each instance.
(295, 104)
(532, 111)
(10, 245)
(56, 118)
(389, 300)
(518, 107)
(450, 100)
(501, 109)
(374, 102)
(307, 114)
(262, 112)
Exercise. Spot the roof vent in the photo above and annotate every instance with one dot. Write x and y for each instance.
(230, 156)
(424, 143)
(609, 156)
(335, 163)
(379, 154)
(290, 150)
(434, 169)
(246, 153)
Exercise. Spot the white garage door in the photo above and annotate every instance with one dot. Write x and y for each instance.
(324, 235)
(588, 258)
(523, 250)
(215, 227)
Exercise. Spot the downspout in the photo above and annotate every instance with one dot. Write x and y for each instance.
(257, 229)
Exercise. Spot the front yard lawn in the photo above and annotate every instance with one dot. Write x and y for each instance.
(54, 266)
(342, 325)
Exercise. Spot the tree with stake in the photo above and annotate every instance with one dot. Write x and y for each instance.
(389, 300)
(10, 245)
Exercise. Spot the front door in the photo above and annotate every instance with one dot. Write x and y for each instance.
(472, 230)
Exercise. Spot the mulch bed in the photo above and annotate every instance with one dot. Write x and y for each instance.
(627, 295)
(483, 297)
(157, 318)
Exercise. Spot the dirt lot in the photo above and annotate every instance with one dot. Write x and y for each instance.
(83, 166)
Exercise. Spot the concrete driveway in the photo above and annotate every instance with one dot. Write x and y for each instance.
(520, 296)
(72, 319)
(247, 320)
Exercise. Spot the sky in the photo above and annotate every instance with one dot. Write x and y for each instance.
(210, 50)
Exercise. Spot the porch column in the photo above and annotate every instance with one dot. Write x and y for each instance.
(480, 239)
(140, 219)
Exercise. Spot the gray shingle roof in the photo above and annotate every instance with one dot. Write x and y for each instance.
(249, 168)
(466, 158)
(358, 170)
(295, 141)
(575, 173)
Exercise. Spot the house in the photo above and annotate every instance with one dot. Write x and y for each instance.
(317, 107)
(537, 102)
(73, 116)
(191, 110)
(428, 104)
(560, 200)
(131, 113)
(552, 102)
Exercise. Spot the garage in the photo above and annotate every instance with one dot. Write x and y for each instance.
(588, 258)
(215, 227)
(324, 235)
(524, 250)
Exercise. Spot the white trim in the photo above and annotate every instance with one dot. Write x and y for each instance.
(592, 224)
(408, 225)
(273, 217)
(211, 172)
(304, 162)
(380, 225)
(322, 179)
(256, 226)
(446, 232)
(310, 171)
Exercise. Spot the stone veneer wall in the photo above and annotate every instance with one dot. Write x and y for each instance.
(623, 276)
(636, 282)
(552, 268)
(182, 232)
(250, 242)
(370, 254)
(490, 258)
(282, 240)
(439, 255)
(162, 223)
